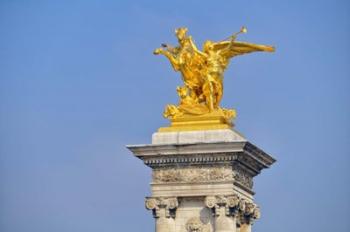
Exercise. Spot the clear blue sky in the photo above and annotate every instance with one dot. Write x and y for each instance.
(78, 81)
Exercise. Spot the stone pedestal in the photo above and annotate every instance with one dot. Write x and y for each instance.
(202, 180)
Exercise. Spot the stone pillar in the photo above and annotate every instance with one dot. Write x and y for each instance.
(227, 209)
(202, 181)
(164, 212)
(250, 212)
(224, 211)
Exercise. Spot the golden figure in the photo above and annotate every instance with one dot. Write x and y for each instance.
(202, 74)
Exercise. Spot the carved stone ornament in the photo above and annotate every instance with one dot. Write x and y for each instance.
(256, 213)
(172, 203)
(241, 205)
(195, 224)
(232, 201)
(151, 203)
(210, 201)
(245, 211)
(249, 208)
(193, 174)
(169, 204)
(241, 176)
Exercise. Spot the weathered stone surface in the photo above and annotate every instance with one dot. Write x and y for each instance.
(192, 174)
(202, 180)
(195, 189)
(192, 215)
(203, 136)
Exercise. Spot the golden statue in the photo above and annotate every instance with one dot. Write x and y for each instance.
(202, 74)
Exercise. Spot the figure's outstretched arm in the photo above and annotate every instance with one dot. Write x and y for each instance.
(170, 56)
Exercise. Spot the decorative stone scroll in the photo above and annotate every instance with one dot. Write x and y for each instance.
(192, 174)
(169, 204)
(234, 206)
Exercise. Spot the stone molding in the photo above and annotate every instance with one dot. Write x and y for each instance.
(193, 159)
(254, 151)
(156, 203)
(245, 212)
(176, 153)
(196, 189)
(181, 149)
(245, 160)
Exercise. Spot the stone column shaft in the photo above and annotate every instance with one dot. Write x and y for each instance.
(245, 228)
(224, 223)
(163, 223)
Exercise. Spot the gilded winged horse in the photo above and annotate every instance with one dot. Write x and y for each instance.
(202, 71)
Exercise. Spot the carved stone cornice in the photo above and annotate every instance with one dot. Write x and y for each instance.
(235, 206)
(259, 154)
(189, 159)
(160, 155)
(187, 148)
(156, 203)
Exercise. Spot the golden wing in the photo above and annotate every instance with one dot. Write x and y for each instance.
(235, 48)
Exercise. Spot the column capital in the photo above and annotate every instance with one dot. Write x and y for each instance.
(156, 203)
(250, 213)
(236, 206)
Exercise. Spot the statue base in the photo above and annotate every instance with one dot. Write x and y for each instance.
(210, 121)
(202, 180)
